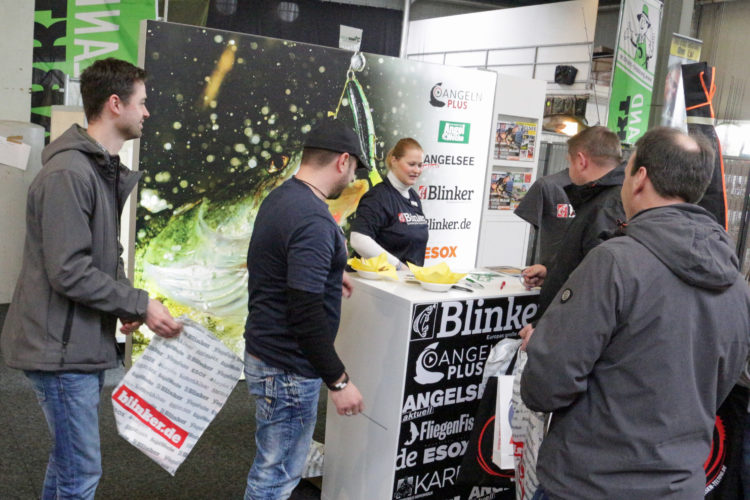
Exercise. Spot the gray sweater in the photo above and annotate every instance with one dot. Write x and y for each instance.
(634, 356)
(72, 287)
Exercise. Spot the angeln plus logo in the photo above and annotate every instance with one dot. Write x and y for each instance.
(435, 95)
(444, 97)
(428, 359)
(455, 363)
(454, 132)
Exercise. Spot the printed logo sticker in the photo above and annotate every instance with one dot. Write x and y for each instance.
(565, 211)
(454, 132)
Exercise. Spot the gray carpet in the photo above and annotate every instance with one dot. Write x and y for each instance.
(215, 469)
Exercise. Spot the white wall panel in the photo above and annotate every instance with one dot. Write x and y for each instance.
(16, 49)
(525, 71)
(564, 53)
(511, 56)
(466, 59)
(548, 24)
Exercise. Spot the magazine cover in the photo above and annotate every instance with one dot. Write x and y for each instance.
(515, 138)
(507, 189)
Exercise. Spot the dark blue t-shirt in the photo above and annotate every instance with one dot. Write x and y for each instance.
(395, 223)
(295, 244)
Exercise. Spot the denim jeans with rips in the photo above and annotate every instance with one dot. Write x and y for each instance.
(286, 408)
(70, 402)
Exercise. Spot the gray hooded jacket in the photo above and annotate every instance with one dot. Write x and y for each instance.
(72, 286)
(634, 356)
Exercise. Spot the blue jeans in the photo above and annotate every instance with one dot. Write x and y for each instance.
(70, 402)
(540, 495)
(286, 408)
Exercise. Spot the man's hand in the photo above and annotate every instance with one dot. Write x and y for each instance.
(534, 275)
(346, 286)
(348, 400)
(129, 327)
(525, 335)
(160, 321)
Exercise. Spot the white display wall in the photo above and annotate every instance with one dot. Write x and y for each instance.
(16, 48)
(523, 45)
(503, 238)
(524, 41)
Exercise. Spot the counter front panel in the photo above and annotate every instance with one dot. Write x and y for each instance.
(449, 344)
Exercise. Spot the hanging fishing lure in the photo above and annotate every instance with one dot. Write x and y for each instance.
(361, 113)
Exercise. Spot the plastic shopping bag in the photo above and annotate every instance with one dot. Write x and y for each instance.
(528, 428)
(501, 364)
(168, 398)
(503, 449)
(477, 467)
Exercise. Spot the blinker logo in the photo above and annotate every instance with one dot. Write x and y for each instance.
(423, 324)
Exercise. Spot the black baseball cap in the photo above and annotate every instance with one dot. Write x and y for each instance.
(334, 135)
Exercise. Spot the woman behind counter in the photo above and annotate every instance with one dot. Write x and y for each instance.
(389, 216)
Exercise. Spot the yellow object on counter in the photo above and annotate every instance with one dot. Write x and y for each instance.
(439, 273)
(379, 265)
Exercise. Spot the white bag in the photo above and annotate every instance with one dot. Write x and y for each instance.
(502, 451)
(497, 364)
(168, 398)
(528, 428)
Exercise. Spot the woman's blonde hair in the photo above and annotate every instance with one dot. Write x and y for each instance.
(399, 150)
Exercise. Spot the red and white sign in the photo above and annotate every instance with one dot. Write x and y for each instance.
(150, 416)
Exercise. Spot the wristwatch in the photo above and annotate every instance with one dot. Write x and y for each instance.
(339, 386)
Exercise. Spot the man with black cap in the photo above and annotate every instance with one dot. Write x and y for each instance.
(296, 280)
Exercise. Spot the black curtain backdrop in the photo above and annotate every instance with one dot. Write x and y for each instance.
(315, 22)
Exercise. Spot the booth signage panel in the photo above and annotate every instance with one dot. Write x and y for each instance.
(69, 35)
(449, 345)
(635, 64)
(457, 107)
(682, 50)
(230, 113)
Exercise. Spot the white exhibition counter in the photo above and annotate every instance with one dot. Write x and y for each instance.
(417, 357)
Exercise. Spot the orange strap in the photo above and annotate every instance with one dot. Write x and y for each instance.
(710, 92)
(723, 184)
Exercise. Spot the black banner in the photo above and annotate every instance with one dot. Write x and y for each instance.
(449, 345)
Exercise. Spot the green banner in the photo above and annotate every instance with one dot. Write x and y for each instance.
(69, 35)
(635, 63)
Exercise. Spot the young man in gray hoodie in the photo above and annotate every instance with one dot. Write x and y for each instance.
(644, 341)
(60, 328)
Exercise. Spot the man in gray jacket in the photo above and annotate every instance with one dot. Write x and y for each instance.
(644, 341)
(60, 328)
